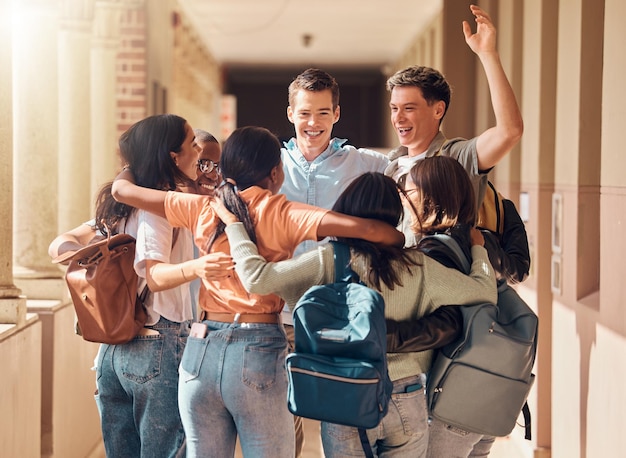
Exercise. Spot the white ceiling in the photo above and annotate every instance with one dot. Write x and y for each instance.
(343, 32)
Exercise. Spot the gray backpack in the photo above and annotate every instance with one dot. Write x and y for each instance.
(480, 382)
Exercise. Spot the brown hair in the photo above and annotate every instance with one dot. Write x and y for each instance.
(315, 80)
(431, 82)
(444, 195)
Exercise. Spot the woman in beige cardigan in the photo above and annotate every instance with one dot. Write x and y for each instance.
(412, 285)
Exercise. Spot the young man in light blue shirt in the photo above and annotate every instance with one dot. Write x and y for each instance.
(318, 167)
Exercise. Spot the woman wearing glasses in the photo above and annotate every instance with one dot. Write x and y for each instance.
(137, 382)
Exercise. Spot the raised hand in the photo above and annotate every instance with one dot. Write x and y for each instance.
(484, 39)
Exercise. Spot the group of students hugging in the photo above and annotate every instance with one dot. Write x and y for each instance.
(229, 237)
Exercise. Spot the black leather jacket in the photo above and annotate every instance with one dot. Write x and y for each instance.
(510, 257)
(444, 324)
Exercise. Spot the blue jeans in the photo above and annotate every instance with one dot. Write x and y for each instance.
(137, 394)
(402, 432)
(447, 441)
(233, 382)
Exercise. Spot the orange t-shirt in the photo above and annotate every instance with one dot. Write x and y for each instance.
(280, 226)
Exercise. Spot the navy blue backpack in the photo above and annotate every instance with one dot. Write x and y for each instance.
(338, 372)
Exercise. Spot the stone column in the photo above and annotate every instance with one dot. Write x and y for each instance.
(104, 159)
(75, 200)
(35, 145)
(12, 303)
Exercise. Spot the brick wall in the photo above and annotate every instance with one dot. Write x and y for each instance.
(132, 91)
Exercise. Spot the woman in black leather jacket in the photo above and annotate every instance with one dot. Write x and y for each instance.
(508, 253)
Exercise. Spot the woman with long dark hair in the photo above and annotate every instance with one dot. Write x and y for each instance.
(137, 382)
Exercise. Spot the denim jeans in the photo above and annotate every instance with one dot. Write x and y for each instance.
(447, 441)
(137, 394)
(402, 432)
(233, 382)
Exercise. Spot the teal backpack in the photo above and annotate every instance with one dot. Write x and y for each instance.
(338, 371)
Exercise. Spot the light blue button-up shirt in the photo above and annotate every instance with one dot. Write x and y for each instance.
(321, 181)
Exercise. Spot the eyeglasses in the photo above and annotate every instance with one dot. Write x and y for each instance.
(207, 165)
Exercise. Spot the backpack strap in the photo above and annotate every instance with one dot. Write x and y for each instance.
(343, 271)
(491, 211)
(365, 443)
(526, 413)
(459, 256)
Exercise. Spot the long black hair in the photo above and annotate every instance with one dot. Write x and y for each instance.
(145, 147)
(248, 157)
(376, 196)
(109, 212)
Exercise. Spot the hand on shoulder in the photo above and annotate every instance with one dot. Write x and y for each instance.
(222, 212)
(476, 237)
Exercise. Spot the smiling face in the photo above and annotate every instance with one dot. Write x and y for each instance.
(209, 181)
(415, 121)
(312, 115)
(187, 158)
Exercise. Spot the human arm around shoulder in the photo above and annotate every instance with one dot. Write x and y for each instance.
(493, 144)
(126, 191)
(72, 240)
(450, 286)
(288, 279)
(334, 224)
(443, 326)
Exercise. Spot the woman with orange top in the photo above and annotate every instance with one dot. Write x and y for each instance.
(232, 375)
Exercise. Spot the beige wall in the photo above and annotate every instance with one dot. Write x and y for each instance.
(180, 66)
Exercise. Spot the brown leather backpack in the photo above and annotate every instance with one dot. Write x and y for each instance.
(103, 285)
